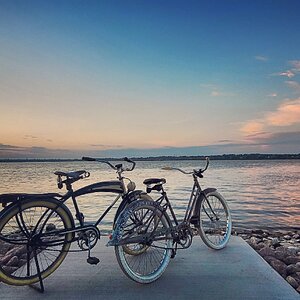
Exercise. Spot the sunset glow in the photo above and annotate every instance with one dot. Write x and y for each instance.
(148, 78)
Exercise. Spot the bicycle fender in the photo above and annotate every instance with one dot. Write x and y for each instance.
(123, 217)
(196, 212)
(9, 200)
(129, 198)
(43, 197)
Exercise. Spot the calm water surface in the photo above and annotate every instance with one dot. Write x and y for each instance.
(261, 194)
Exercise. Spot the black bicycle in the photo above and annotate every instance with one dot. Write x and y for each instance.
(152, 231)
(37, 229)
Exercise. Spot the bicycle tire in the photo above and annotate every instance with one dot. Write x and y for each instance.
(151, 263)
(215, 221)
(126, 248)
(17, 227)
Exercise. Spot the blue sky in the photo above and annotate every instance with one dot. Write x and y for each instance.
(149, 78)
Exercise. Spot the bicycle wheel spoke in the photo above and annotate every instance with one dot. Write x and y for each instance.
(31, 233)
(215, 221)
(148, 263)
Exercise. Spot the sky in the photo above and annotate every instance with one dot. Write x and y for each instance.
(148, 78)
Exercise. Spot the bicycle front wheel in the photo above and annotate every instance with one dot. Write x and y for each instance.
(215, 221)
(132, 249)
(147, 228)
(31, 235)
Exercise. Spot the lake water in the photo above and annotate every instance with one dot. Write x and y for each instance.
(261, 194)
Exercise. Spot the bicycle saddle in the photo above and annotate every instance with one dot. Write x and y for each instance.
(73, 174)
(150, 181)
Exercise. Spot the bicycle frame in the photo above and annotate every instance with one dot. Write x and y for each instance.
(195, 193)
(192, 212)
(116, 186)
(112, 187)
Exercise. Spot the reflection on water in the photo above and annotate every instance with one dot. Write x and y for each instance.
(260, 193)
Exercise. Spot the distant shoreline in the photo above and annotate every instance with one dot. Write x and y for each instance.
(255, 156)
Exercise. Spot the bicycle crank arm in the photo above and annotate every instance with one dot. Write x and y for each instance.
(74, 230)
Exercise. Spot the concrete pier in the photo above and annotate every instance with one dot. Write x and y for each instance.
(236, 272)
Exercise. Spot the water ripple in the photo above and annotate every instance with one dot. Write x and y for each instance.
(260, 193)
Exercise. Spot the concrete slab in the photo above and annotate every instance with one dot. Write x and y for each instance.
(236, 272)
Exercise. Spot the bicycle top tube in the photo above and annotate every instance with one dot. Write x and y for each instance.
(195, 172)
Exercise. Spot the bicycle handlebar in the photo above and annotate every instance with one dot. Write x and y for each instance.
(196, 172)
(177, 169)
(85, 158)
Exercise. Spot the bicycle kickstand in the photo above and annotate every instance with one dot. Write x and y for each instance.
(41, 289)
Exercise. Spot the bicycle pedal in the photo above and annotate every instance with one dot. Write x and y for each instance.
(93, 260)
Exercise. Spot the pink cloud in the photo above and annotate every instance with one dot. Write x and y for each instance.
(252, 127)
(287, 113)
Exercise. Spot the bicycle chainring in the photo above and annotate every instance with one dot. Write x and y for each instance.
(88, 239)
(185, 237)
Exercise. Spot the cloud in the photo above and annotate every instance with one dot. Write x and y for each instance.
(106, 146)
(12, 151)
(261, 58)
(29, 136)
(263, 142)
(286, 114)
(258, 135)
(272, 95)
(4, 147)
(290, 73)
(252, 127)
(295, 65)
(278, 138)
(215, 94)
(287, 73)
(294, 85)
(225, 141)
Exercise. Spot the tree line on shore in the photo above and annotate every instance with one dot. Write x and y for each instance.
(251, 156)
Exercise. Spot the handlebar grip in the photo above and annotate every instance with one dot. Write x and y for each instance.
(88, 158)
(130, 161)
(207, 162)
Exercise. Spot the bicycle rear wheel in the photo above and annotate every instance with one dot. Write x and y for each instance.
(30, 232)
(146, 225)
(215, 221)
